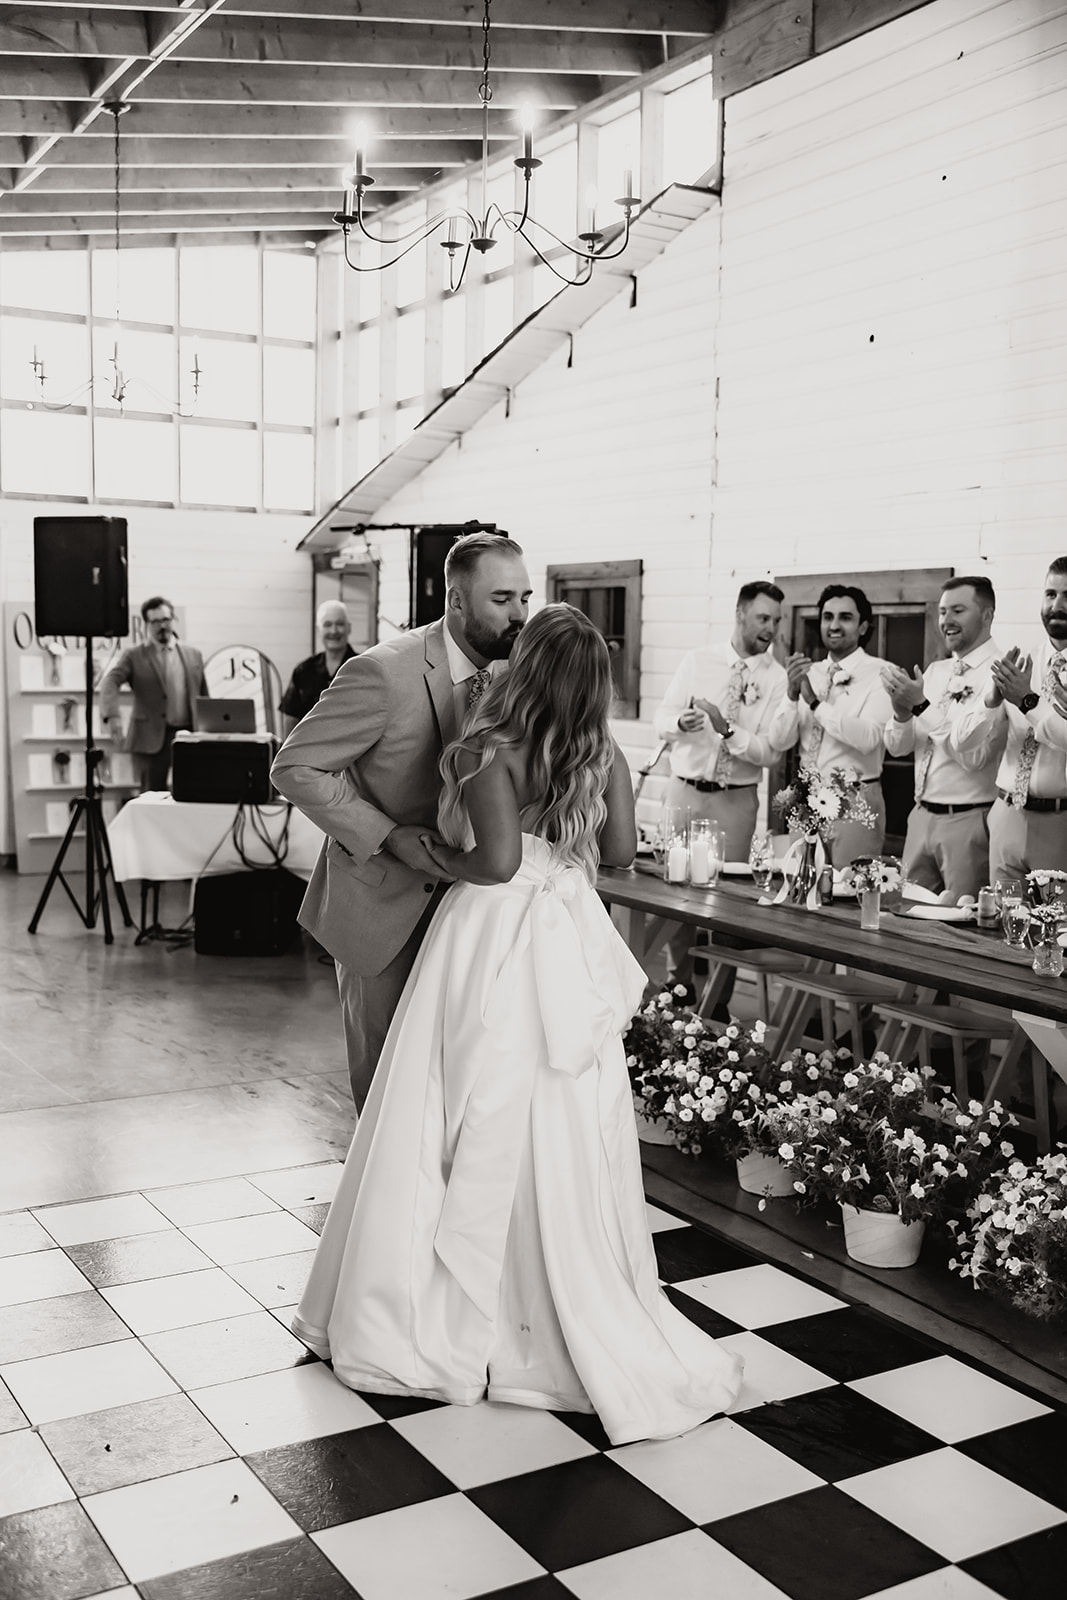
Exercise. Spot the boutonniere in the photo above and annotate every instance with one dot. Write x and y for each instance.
(750, 693)
(840, 678)
(964, 692)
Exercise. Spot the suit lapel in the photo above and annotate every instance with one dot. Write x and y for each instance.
(439, 683)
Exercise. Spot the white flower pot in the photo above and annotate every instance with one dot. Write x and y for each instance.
(651, 1130)
(880, 1238)
(766, 1175)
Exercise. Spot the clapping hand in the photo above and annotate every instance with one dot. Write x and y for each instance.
(796, 675)
(905, 689)
(710, 710)
(1058, 699)
(1010, 678)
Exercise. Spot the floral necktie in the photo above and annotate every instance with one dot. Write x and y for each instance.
(479, 684)
(814, 744)
(735, 699)
(926, 754)
(1028, 749)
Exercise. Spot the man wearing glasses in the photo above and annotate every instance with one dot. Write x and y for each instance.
(164, 677)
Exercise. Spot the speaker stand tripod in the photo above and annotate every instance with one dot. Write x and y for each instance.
(88, 808)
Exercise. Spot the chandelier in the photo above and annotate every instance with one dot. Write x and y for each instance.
(465, 230)
(119, 381)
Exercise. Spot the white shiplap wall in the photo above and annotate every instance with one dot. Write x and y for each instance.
(238, 578)
(893, 339)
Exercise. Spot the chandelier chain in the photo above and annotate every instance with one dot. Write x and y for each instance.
(485, 92)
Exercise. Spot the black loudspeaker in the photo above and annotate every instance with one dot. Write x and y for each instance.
(222, 768)
(428, 567)
(247, 913)
(79, 576)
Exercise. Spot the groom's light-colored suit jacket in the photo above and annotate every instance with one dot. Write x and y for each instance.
(363, 760)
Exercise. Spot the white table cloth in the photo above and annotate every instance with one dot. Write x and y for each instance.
(159, 838)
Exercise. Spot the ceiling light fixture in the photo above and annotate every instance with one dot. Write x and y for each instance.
(467, 232)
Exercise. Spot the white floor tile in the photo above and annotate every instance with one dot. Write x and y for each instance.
(276, 1281)
(211, 1202)
(188, 1518)
(282, 1408)
(717, 1470)
(479, 1444)
(29, 1476)
(274, 1233)
(687, 1566)
(443, 1549)
(948, 1399)
(301, 1186)
(758, 1297)
(157, 1304)
(225, 1351)
(10, 1415)
(660, 1221)
(40, 1276)
(78, 1381)
(89, 1220)
(770, 1374)
(952, 1504)
(20, 1233)
(947, 1583)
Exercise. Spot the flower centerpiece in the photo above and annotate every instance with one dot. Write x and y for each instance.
(1014, 1239)
(1047, 886)
(880, 1145)
(810, 807)
(871, 877)
(1046, 920)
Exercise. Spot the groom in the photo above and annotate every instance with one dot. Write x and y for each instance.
(363, 766)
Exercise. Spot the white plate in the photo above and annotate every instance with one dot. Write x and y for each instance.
(940, 913)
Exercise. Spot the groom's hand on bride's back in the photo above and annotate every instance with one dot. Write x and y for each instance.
(409, 845)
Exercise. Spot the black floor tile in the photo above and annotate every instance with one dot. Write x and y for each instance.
(297, 1570)
(577, 1511)
(1030, 1569)
(391, 1406)
(824, 1545)
(691, 1253)
(146, 1255)
(313, 1216)
(61, 1322)
(1032, 1454)
(848, 1344)
(713, 1323)
(345, 1476)
(587, 1425)
(54, 1554)
(546, 1588)
(837, 1433)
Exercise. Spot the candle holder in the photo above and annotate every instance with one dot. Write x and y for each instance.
(675, 834)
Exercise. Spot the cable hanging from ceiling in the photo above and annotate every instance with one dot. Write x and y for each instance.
(466, 231)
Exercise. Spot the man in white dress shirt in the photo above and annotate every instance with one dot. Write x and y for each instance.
(838, 709)
(947, 844)
(1028, 819)
(715, 716)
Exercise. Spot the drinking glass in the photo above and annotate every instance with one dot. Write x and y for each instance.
(1015, 920)
(761, 860)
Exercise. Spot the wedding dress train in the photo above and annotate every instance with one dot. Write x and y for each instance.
(489, 1236)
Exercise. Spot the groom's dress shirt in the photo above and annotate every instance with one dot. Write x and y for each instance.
(1044, 755)
(748, 690)
(946, 774)
(847, 727)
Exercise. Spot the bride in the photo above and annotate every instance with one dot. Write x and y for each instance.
(488, 1239)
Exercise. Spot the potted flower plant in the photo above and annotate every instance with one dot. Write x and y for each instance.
(893, 1159)
(872, 877)
(656, 1043)
(810, 806)
(1014, 1239)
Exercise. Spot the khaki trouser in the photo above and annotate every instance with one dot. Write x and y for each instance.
(948, 852)
(1021, 841)
(732, 810)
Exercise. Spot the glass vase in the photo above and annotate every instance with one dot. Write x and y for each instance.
(1048, 955)
(870, 909)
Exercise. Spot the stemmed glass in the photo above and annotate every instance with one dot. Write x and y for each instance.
(761, 860)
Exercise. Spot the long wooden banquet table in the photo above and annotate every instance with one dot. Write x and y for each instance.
(959, 958)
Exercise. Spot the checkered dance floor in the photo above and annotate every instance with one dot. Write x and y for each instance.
(163, 1435)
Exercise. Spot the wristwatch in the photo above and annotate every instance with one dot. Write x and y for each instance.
(917, 710)
(729, 731)
(1028, 702)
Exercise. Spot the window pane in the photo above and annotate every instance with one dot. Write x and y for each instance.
(368, 448)
(44, 280)
(690, 132)
(554, 197)
(407, 419)
(545, 284)
(453, 341)
(370, 346)
(499, 311)
(502, 194)
(617, 152)
(44, 452)
(229, 378)
(410, 354)
(367, 257)
(134, 459)
(289, 472)
(63, 347)
(289, 292)
(220, 288)
(220, 466)
(146, 361)
(411, 268)
(289, 386)
(146, 285)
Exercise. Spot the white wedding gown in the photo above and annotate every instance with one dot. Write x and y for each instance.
(489, 1235)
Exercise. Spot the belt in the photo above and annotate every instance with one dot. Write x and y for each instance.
(706, 786)
(1035, 802)
(949, 811)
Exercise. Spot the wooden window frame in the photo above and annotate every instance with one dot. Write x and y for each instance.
(611, 575)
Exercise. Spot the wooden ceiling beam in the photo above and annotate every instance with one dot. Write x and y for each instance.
(82, 222)
(81, 152)
(136, 183)
(29, 118)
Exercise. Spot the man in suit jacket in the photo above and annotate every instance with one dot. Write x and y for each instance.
(165, 678)
(362, 764)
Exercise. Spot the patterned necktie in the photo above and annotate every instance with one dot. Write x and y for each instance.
(814, 744)
(926, 754)
(1028, 749)
(735, 699)
(479, 684)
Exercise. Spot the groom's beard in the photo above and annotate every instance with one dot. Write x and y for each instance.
(492, 646)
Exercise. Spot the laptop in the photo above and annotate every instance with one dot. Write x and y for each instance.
(223, 716)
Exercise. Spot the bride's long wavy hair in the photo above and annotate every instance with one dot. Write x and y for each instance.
(554, 701)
